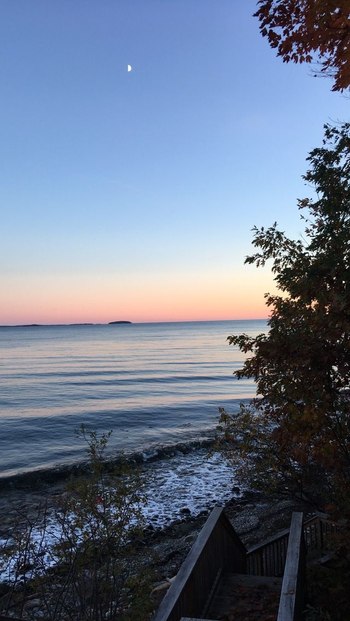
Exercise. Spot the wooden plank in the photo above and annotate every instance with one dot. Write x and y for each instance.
(217, 546)
(268, 558)
(233, 582)
(187, 566)
(288, 608)
(282, 534)
(239, 594)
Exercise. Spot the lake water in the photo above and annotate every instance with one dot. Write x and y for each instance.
(154, 385)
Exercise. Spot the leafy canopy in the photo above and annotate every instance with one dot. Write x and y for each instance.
(302, 365)
(303, 30)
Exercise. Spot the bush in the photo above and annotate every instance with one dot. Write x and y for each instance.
(80, 562)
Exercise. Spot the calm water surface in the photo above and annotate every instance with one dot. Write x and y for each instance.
(152, 384)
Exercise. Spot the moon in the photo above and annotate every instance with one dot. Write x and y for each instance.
(129, 68)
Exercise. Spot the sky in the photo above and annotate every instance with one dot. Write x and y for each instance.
(131, 195)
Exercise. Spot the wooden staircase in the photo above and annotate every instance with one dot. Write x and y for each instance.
(221, 580)
(242, 597)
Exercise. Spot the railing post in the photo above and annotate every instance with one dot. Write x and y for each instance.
(292, 593)
(217, 548)
(321, 534)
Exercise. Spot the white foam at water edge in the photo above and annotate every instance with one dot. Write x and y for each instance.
(187, 484)
(175, 488)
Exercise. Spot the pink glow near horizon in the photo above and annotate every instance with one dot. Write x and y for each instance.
(80, 311)
(52, 316)
(79, 300)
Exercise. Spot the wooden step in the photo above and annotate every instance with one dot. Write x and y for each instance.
(241, 597)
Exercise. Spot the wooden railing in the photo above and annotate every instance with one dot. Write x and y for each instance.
(216, 549)
(219, 549)
(318, 532)
(293, 585)
(268, 558)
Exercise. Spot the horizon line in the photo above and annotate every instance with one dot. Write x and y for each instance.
(123, 323)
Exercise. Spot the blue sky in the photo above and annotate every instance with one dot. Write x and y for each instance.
(134, 193)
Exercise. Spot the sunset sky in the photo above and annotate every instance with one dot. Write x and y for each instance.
(132, 195)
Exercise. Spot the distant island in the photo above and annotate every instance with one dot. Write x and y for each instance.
(48, 325)
(24, 325)
(63, 325)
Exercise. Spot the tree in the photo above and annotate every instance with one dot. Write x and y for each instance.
(297, 430)
(304, 30)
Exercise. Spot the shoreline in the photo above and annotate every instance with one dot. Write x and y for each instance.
(35, 479)
(246, 509)
(253, 514)
(255, 517)
(175, 485)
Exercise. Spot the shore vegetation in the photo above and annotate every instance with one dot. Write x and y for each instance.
(80, 561)
(295, 435)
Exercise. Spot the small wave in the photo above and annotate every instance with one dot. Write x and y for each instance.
(35, 479)
(171, 450)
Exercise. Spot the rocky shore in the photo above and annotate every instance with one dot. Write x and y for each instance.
(254, 516)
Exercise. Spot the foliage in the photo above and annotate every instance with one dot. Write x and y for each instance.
(297, 431)
(328, 589)
(303, 30)
(81, 561)
(313, 613)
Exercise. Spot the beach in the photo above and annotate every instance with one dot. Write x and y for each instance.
(161, 550)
